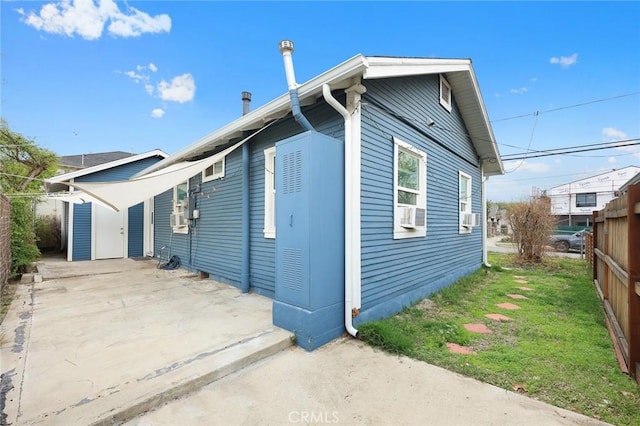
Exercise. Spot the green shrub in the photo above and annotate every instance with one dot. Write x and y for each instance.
(24, 250)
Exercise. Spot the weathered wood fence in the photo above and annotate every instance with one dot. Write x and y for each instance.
(616, 271)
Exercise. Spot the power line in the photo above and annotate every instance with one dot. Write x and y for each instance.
(566, 107)
(619, 144)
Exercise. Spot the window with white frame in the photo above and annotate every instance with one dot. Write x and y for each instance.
(586, 200)
(178, 218)
(409, 191)
(270, 192)
(466, 218)
(445, 93)
(214, 171)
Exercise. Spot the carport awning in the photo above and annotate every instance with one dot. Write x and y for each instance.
(123, 194)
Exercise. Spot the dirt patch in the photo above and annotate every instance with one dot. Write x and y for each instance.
(426, 305)
(8, 291)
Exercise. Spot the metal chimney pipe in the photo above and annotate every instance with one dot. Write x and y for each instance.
(286, 49)
(246, 101)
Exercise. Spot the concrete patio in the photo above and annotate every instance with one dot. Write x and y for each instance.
(100, 342)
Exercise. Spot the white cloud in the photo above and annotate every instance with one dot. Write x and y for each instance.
(181, 89)
(152, 67)
(612, 160)
(611, 134)
(565, 61)
(157, 113)
(87, 18)
(520, 91)
(534, 79)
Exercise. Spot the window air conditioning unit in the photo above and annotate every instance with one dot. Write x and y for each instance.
(470, 220)
(411, 217)
(178, 220)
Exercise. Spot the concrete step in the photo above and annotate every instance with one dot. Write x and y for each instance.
(128, 400)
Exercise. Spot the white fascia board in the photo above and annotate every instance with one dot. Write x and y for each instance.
(258, 117)
(401, 67)
(106, 166)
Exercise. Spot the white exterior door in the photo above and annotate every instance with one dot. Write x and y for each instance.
(109, 233)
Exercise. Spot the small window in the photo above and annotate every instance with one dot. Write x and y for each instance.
(270, 192)
(445, 94)
(178, 218)
(586, 200)
(410, 191)
(464, 202)
(214, 171)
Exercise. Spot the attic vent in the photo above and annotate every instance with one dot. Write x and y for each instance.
(292, 172)
(445, 93)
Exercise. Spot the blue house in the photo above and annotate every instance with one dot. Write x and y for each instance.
(345, 200)
(94, 231)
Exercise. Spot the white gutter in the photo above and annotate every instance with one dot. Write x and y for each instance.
(352, 282)
(484, 178)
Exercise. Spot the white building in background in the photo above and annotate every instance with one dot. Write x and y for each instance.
(573, 203)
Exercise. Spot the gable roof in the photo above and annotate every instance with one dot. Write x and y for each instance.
(89, 160)
(54, 184)
(459, 73)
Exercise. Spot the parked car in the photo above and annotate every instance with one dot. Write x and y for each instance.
(566, 242)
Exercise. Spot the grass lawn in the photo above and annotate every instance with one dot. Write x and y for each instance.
(556, 348)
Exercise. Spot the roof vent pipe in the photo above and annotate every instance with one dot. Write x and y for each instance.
(246, 101)
(286, 49)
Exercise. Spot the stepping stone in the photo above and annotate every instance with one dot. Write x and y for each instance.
(518, 277)
(509, 306)
(520, 281)
(457, 349)
(517, 296)
(498, 317)
(525, 288)
(478, 328)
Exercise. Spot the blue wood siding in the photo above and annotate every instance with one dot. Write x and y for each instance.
(83, 224)
(122, 172)
(136, 230)
(215, 245)
(417, 266)
(81, 232)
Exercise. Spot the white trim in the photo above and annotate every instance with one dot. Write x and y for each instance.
(101, 167)
(70, 228)
(148, 228)
(400, 232)
(445, 101)
(269, 229)
(177, 209)
(214, 175)
(468, 206)
(342, 76)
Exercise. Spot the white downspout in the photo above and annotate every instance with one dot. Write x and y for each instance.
(485, 260)
(352, 285)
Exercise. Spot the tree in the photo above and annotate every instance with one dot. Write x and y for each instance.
(23, 165)
(532, 224)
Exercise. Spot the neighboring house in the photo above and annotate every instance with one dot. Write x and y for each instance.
(51, 210)
(378, 202)
(573, 203)
(92, 231)
(635, 180)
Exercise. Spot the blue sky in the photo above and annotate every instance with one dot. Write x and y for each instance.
(92, 76)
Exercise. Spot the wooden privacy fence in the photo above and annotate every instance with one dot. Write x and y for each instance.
(616, 271)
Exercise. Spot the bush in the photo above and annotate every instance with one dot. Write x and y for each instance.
(24, 250)
(532, 224)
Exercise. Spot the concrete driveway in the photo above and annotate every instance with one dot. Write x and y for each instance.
(102, 341)
(109, 342)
